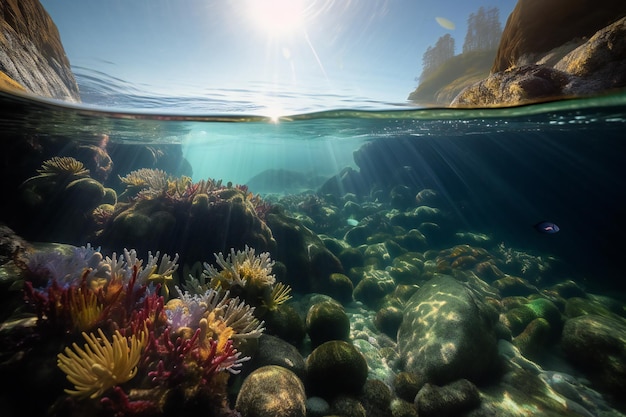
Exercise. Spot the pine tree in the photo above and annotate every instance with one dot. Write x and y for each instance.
(437, 55)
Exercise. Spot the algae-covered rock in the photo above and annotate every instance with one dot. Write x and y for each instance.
(597, 345)
(271, 391)
(274, 351)
(447, 333)
(340, 287)
(285, 322)
(335, 368)
(309, 263)
(449, 400)
(326, 321)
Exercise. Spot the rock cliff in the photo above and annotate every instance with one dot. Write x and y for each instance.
(553, 49)
(32, 57)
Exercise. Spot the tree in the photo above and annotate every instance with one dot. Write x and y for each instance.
(483, 30)
(437, 55)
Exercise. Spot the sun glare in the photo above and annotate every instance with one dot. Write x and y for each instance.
(277, 17)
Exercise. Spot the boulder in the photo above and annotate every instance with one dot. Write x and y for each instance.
(597, 345)
(271, 391)
(447, 333)
(32, 57)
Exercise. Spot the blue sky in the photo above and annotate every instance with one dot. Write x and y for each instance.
(369, 49)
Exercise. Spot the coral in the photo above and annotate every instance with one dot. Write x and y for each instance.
(101, 364)
(59, 169)
(240, 269)
(280, 294)
(188, 347)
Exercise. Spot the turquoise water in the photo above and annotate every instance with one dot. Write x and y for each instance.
(396, 197)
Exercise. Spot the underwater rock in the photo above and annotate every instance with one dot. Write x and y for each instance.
(407, 384)
(271, 391)
(447, 333)
(402, 408)
(401, 197)
(347, 181)
(358, 235)
(534, 338)
(286, 323)
(597, 345)
(347, 406)
(373, 287)
(514, 286)
(317, 407)
(274, 351)
(32, 55)
(594, 304)
(388, 320)
(335, 368)
(309, 263)
(229, 220)
(351, 258)
(376, 398)
(11, 245)
(449, 400)
(340, 288)
(284, 181)
(326, 321)
(518, 318)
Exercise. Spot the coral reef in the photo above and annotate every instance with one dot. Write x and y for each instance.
(140, 355)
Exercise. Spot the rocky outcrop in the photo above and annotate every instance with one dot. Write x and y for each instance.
(32, 57)
(584, 54)
(535, 27)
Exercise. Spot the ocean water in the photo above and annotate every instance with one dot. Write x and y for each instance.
(396, 196)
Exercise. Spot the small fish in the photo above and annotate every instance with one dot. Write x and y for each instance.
(547, 227)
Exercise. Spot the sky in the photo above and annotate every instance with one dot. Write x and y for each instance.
(269, 50)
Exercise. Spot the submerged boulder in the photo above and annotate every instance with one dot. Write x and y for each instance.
(597, 345)
(32, 57)
(447, 333)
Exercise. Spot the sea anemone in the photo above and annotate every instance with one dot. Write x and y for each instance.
(280, 294)
(62, 169)
(101, 364)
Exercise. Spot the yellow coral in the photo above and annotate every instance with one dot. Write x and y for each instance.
(101, 364)
(280, 293)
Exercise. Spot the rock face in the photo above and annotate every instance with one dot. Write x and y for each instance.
(584, 54)
(447, 333)
(31, 53)
(538, 26)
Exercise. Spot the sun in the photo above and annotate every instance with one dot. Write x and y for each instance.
(277, 17)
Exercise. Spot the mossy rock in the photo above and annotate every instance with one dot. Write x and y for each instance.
(272, 391)
(340, 287)
(326, 321)
(388, 320)
(334, 368)
(286, 323)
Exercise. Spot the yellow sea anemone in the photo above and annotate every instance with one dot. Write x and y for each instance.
(60, 168)
(101, 364)
(84, 309)
(280, 293)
